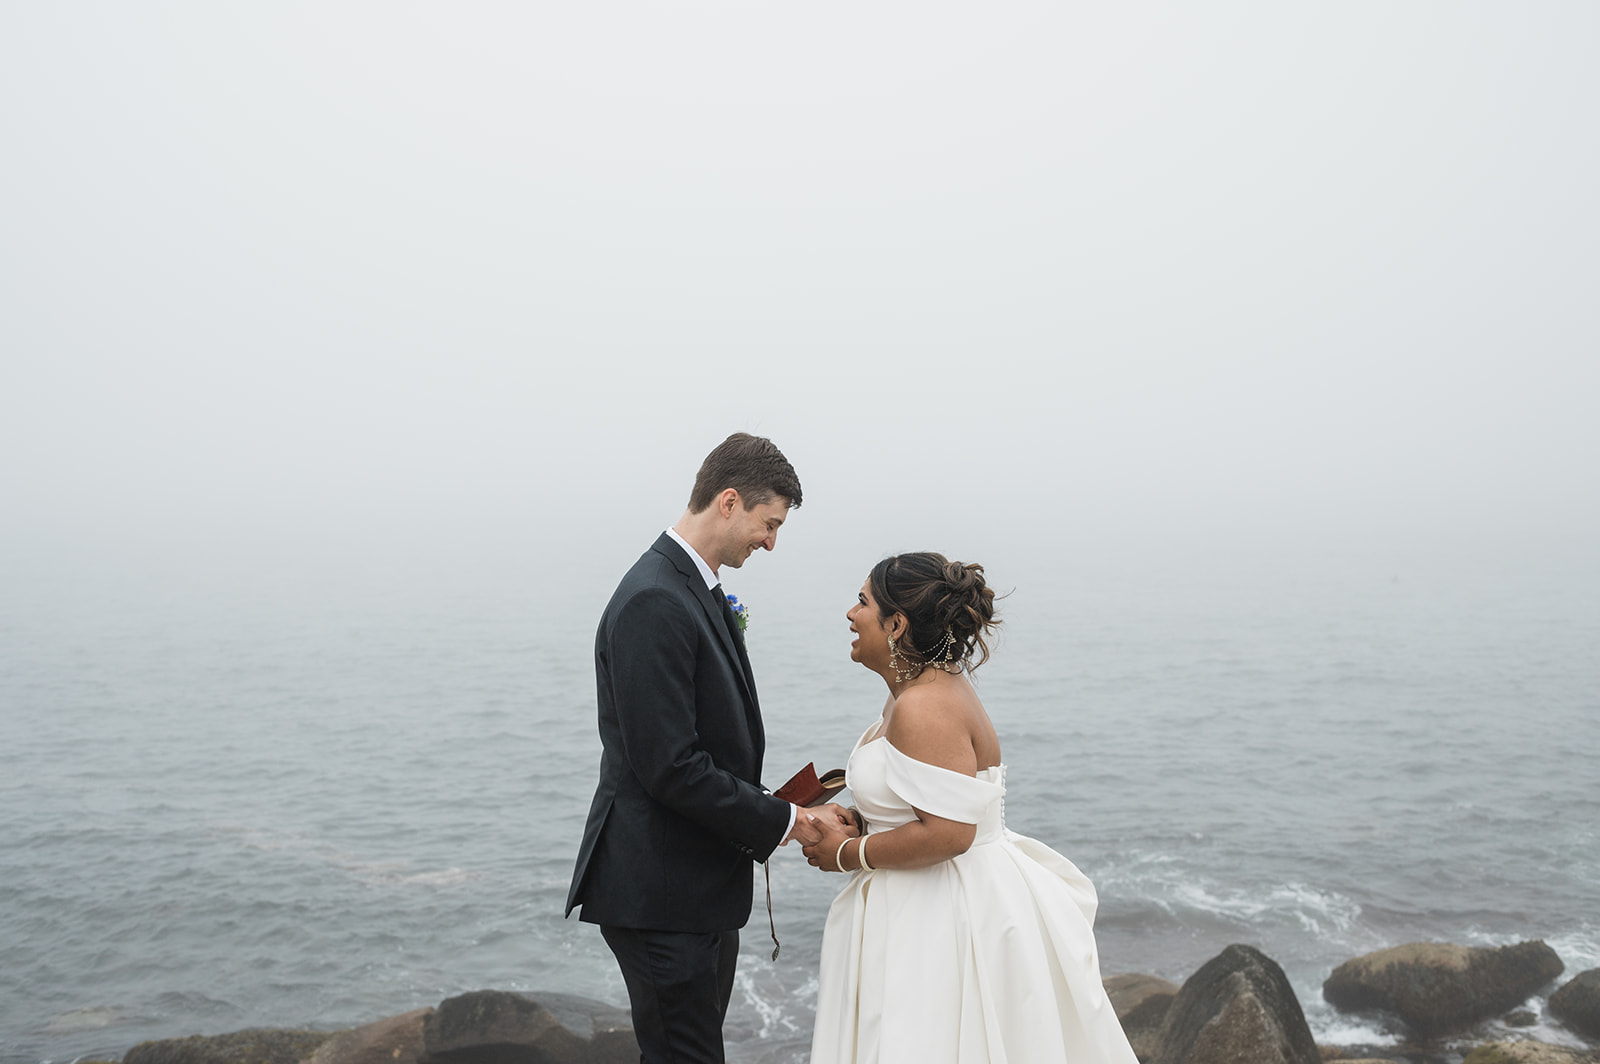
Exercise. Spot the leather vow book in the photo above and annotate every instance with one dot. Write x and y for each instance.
(805, 788)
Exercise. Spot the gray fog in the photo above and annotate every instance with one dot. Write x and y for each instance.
(318, 300)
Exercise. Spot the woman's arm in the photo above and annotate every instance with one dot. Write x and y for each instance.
(932, 730)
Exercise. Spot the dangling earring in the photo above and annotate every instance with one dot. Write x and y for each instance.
(911, 671)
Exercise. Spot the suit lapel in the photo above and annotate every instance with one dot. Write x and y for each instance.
(731, 643)
(732, 646)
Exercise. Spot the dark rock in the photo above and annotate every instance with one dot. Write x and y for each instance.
(497, 1027)
(1578, 1003)
(1520, 1018)
(609, 1029)
(255, 1046)
(396, 1040)
(1528, 1053)
(1237, 1009)
(1141, 1003)
(1436, 988)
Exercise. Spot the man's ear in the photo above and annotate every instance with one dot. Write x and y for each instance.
(726, 501)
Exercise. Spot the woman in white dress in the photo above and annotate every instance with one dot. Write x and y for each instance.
(955, 941)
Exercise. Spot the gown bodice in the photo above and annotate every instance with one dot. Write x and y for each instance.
(889, 787)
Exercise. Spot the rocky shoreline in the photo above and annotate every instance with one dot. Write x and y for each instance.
(1237, 1008)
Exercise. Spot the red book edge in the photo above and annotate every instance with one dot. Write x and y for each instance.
(806, 789)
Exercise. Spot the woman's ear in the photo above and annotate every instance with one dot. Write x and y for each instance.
(897, 626)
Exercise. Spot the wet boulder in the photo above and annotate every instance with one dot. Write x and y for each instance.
(1141, 1003)
(396, 1040)
(1578, 1003)
(258, 1045)
(499, 1027)
(1528, 1053)
(1436, 988)
(1238, 1008)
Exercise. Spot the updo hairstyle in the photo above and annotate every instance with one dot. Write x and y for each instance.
(937, 596)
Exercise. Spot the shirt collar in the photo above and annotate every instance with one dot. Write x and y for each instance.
(700, 563)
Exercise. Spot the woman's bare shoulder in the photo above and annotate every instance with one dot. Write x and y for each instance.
(932, 723)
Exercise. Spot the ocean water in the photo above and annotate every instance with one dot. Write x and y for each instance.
(230, 811)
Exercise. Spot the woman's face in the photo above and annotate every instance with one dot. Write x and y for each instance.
(871, 645)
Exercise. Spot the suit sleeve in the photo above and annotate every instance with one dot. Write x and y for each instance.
(652, 645)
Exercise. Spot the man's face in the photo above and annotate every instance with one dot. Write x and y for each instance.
(746, 531)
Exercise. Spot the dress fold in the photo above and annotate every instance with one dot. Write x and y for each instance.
(987, 958)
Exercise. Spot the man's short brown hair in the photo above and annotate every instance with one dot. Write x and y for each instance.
(751, 465)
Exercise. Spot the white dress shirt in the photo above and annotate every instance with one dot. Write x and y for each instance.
(708, 574)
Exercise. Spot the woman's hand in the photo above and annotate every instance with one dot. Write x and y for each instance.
(834, 831)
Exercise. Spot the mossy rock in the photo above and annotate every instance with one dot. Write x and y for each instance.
(257, 1045)
(1578, 1003)
(1491, 1054)
(1437, 988)
(1238, 1007)
(1529, 1052)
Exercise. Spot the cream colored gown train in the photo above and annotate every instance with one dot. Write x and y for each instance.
(987, 958)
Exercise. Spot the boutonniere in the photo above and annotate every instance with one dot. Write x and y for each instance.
(741, 613)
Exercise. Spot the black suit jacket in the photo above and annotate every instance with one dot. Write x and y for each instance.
(679, 814)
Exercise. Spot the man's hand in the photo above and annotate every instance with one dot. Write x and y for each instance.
(810, 825)
(823, 852)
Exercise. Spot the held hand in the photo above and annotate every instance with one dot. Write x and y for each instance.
(835, 813)
(807, 828)
(809, 823)
(834, 830)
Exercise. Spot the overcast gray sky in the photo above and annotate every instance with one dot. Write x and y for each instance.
(299, 289)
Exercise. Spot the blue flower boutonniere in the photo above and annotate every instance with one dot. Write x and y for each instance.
(741, 613)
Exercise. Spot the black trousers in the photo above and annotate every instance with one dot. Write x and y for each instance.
(679, 984)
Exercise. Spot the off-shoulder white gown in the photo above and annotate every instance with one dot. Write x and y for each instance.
(987, 958)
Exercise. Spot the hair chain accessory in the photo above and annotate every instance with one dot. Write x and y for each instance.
(943, 658)
(911, 670)
(946, 652)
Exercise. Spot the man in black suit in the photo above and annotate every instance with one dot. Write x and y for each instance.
(679, 815)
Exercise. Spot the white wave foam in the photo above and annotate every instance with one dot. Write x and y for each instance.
(1579, 949)
(1543, 1029)
(1160, 879)
(775, 1019)
(1335, 1029)
(1323, 913)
